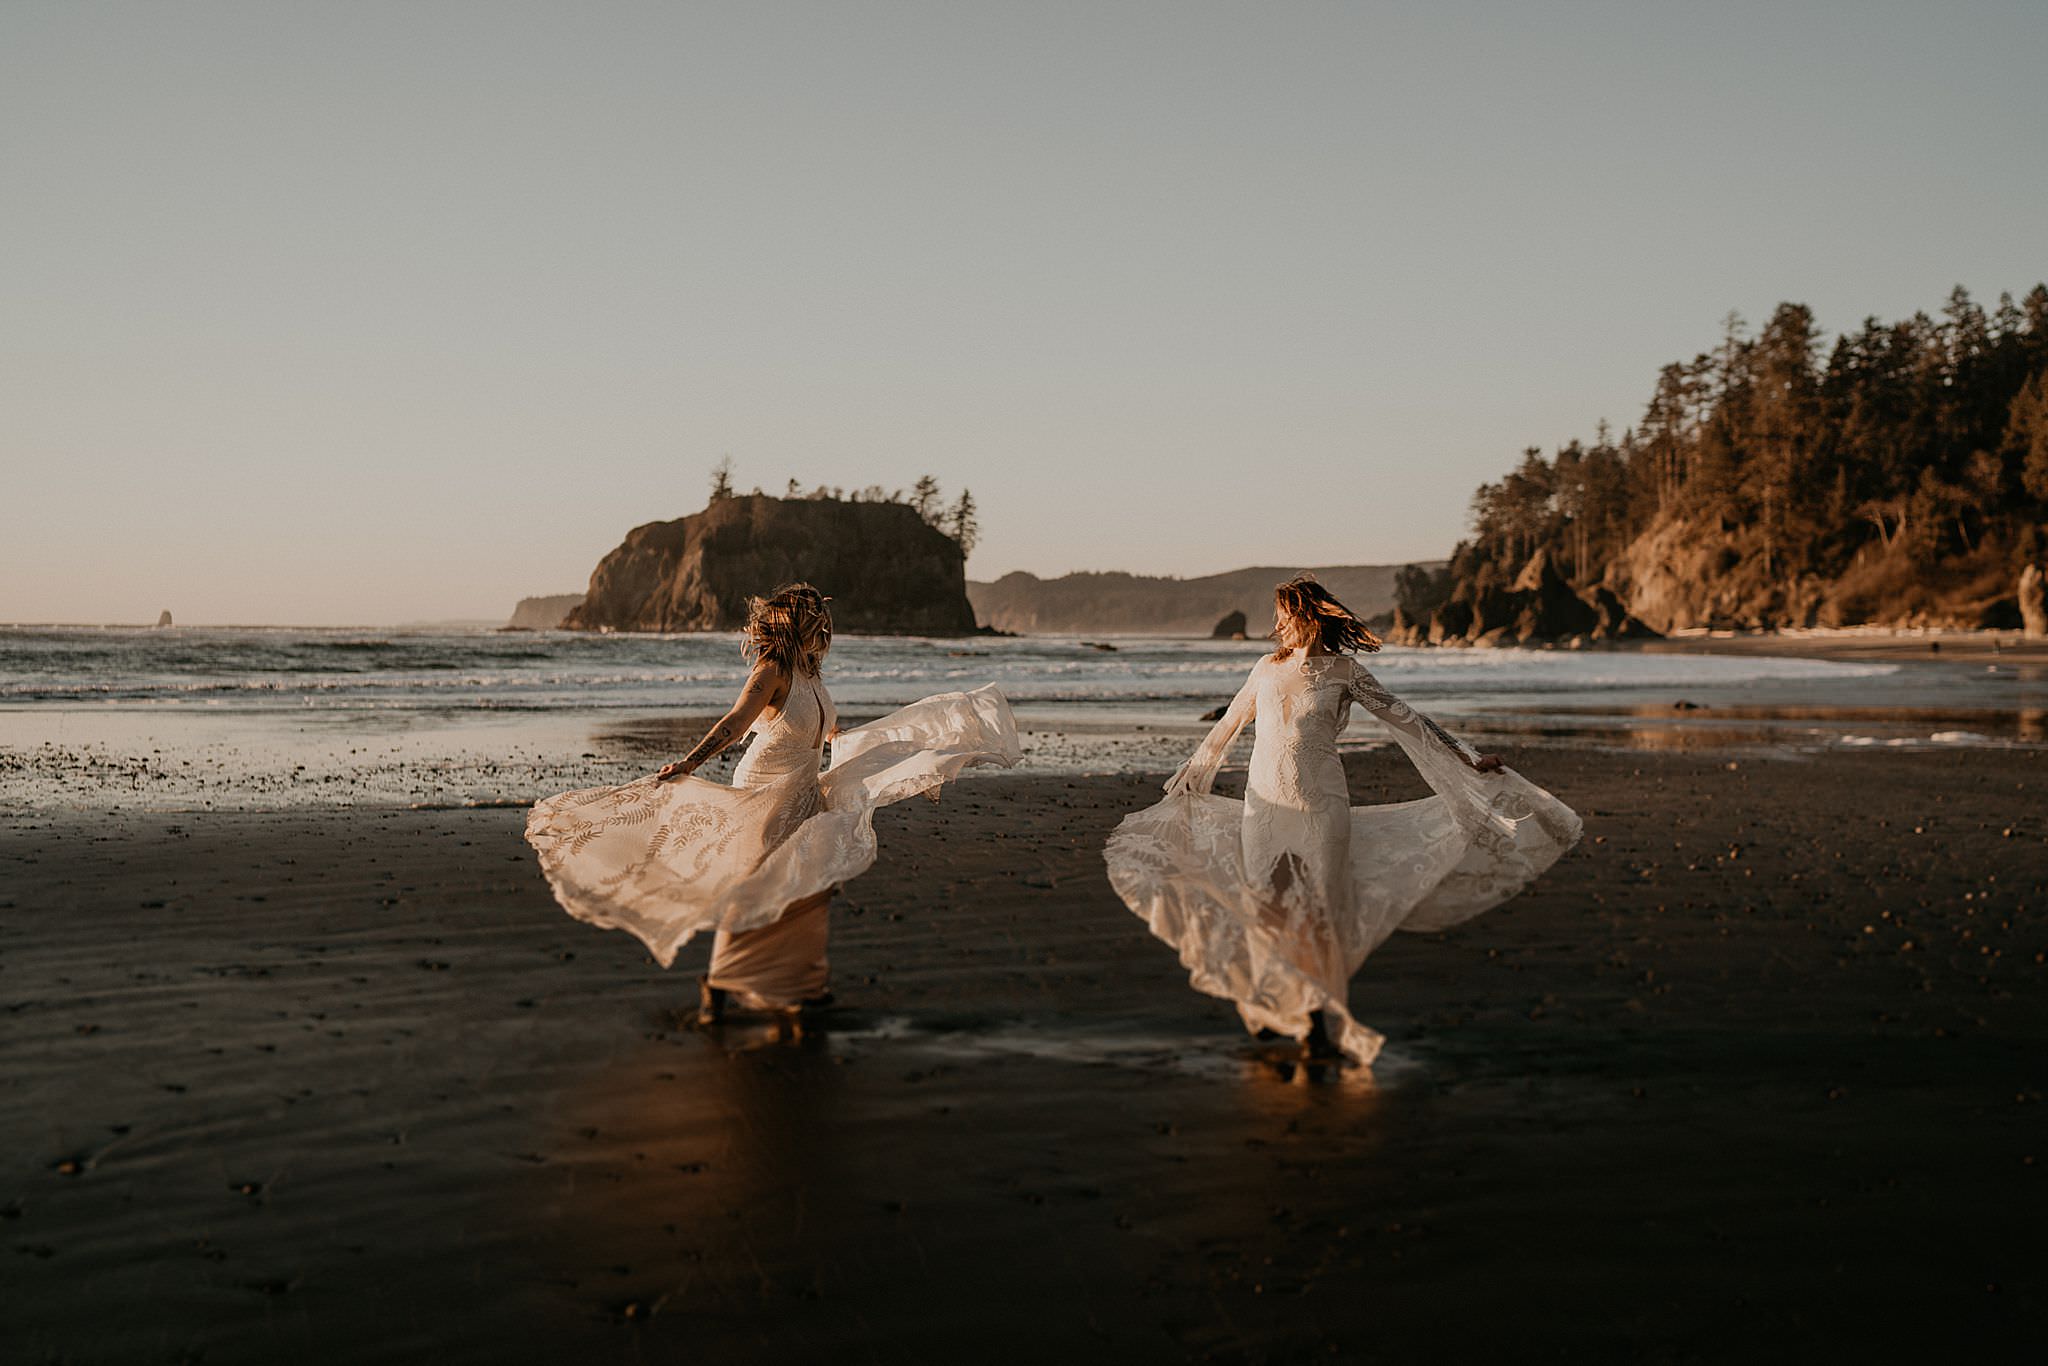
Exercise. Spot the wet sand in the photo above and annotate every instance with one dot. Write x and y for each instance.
(2008, 648)
(1757, 1073)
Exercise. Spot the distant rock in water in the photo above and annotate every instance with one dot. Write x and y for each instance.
(163, 618)
(543, 614)
(1232, 627)
(886, 569)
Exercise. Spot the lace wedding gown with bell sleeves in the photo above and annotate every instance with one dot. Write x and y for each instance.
(758, 861)
(1275, 901)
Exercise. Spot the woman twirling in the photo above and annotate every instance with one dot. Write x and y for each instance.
(670, 855)
(1275, 901)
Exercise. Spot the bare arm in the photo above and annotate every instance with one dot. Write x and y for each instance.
(762, 687)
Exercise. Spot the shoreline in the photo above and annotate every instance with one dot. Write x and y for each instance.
(112, 759)
(1758, 1058)
(1864, 643)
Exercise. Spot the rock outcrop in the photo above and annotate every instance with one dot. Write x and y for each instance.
(1232, 627)
(1537, 606)
(1693, 573)
(163, 618)
(543, 614)
(1613, 620)
(886, 569)
(2034, 602)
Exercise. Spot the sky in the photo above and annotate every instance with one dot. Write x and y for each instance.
(361, 313)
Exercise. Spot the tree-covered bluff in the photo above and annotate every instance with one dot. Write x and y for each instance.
(1897, 477)
(888, 568)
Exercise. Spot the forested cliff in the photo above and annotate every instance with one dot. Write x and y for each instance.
(1898, 476)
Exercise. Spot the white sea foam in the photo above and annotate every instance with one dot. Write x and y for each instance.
(1958, 738)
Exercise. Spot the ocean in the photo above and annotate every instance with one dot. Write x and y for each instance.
(261, 716)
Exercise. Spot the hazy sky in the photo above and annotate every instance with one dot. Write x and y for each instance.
(361, 313)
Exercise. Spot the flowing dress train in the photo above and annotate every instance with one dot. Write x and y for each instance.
(1275, 901)
(757, 862)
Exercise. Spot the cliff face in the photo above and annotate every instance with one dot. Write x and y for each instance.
(543, 614)
(1682, 573)
(886, 570)
(1893, 476)
(1694, 573)
(1138, 605)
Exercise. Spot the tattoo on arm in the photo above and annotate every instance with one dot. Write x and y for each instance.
(716, 739)
(754, 697)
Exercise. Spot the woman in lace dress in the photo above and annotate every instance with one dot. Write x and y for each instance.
(1275, 901)
(672, 854)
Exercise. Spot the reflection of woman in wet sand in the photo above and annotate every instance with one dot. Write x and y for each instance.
(1275, 901)
(672, 854)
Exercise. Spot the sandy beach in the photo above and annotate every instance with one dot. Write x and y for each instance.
(422, 420)
(1754, 1074)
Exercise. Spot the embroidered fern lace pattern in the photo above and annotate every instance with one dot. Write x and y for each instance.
(667, 861)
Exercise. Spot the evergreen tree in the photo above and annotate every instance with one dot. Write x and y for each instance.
(924, 496)
(2026, 436)
(1921, 442)
(961, 524)
(1419, 591)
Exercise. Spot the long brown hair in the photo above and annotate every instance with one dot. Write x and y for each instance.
(791, 628)
(1302, 600)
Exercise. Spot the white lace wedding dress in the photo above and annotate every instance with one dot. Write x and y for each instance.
(1276, 900)
(666, 861)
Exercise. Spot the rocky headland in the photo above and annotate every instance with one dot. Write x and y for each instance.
(1895, 476)
(543, 613)
(1138, 604)
(887, 569)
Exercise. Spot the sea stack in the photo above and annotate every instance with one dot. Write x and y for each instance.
(1232, 627)
(163, 618)
(887, 569)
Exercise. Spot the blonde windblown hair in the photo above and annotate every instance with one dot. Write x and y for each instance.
(791, 628)
(1303, 608)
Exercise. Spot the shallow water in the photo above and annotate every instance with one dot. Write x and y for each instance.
(968, 1037)
(235, 718)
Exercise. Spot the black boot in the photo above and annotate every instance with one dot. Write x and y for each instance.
(1318, 1045)
(710, 1002)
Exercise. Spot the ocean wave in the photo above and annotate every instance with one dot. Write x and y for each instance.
(285, 666)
